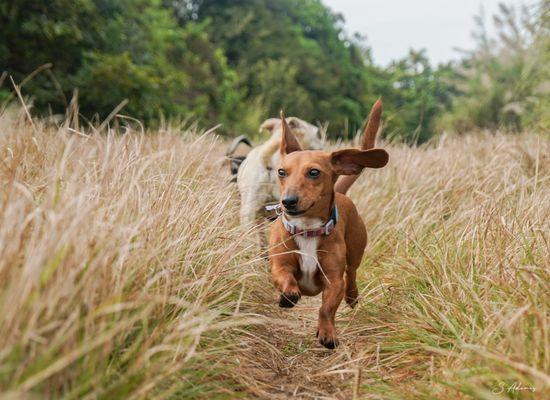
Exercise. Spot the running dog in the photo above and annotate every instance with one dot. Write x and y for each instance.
(317, 243)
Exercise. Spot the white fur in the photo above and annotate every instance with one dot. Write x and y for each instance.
(257, 176)
(308, 251)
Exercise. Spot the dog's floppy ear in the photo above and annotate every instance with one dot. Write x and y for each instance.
(289, 143)
(352, 161)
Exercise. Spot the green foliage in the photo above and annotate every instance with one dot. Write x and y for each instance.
(234, 62)
(503, 83)
(421, 93)
(113, 51)
(289, 54)
(237, 62)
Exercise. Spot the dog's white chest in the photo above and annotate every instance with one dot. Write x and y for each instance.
(307, 247)
(308, 261)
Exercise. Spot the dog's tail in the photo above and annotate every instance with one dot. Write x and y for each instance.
(344, 182)
(235, 143)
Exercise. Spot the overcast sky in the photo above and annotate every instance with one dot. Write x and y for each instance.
(393, 27)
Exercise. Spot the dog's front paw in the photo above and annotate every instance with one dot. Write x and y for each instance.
(289, 299)
(327, 338)
(352, 294)
(352, 299)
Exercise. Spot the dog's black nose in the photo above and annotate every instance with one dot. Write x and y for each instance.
(290, 202)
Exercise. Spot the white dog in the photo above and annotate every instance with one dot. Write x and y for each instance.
(256, 178)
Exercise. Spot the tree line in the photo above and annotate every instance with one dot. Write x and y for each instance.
(237, 62)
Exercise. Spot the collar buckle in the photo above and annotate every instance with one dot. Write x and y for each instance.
(274, 207)
(329, 227)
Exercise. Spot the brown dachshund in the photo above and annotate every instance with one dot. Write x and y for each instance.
(317, 243)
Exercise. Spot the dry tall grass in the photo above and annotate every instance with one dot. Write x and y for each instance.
(121, 267)
(454, 285)
(123, 274)
(457, 276)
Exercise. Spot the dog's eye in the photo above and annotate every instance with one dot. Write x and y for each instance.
(281, 172)
(313, 173)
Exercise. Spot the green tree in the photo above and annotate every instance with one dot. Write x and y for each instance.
(36, 33)
(420, 94)
(237, 62)
(290, 54)
(503, 82)
(112, 51)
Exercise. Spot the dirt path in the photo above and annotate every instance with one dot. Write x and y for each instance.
(284, 358)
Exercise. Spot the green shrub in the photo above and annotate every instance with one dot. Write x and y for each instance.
(504, 82)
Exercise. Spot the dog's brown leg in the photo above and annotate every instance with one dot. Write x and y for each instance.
(352, 293)
(354, 257)
(356, 241)
(283, 277)
(332, 297)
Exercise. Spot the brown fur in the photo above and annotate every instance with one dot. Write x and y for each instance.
(369, 138)
(339, 254)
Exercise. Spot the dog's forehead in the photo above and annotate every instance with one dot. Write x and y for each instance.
(306, 158)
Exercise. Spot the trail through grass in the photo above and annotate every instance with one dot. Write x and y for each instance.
(454, 284)
(124, 274)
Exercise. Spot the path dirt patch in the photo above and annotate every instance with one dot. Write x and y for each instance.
(284, 358)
